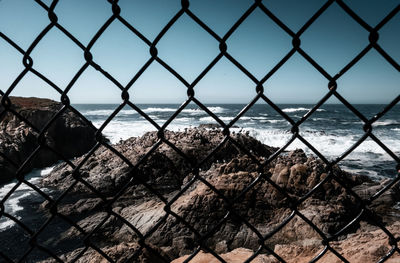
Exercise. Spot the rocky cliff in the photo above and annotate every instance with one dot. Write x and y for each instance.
(68, 135)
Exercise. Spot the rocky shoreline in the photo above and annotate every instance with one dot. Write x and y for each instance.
(113, 224)
(230, 172)
(68, 135)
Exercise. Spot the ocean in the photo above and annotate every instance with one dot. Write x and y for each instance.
(332, 129)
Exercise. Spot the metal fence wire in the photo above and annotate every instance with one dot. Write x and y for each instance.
(365, 212)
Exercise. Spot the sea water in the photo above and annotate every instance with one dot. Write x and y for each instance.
(331, 129)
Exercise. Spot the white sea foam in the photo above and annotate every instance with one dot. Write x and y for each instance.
(217, 109)
(294, 109)
(122, 130)
(395, 129)
(244, 118)
(6, 223)
(199, 111)
(117, 130)
(12, 205)
(157, 109)
(185, 119)
(328, 144)
(299, 109)
(211, 119)
(386, 123)
(108, 112)
(229, 118)
(97, 112)
(194, 112)
(331, 145)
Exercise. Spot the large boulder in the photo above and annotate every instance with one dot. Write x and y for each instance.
(67, 135)
(165, 168)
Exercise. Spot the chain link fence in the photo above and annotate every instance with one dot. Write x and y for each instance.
(143, 238)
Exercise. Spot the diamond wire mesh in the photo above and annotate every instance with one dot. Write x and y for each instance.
(195, 164)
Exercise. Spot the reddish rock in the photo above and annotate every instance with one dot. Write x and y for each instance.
(238, 255)
(368, 244)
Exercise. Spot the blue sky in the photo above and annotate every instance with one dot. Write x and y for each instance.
(258, 44)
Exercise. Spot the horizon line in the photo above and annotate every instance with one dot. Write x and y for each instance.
(225, 103)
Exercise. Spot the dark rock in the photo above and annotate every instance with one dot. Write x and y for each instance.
(165, 169)
(67, 135)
